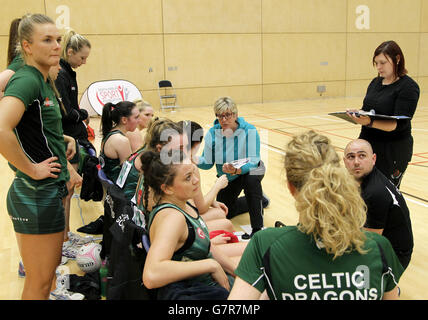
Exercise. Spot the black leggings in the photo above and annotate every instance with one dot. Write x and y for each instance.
(251, 184)
(392, 158)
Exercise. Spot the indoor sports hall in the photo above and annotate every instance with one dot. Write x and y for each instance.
(286, 63)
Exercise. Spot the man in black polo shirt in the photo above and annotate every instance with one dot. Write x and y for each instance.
(387, 212)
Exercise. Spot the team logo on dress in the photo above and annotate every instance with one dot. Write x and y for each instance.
(200, 233)
(140, 196)
(48, 102)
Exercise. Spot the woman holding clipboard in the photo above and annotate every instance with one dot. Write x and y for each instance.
(391, 93)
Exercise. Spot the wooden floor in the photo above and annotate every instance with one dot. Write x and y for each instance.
(276, 122)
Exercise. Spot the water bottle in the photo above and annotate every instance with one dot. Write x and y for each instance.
(103, 277)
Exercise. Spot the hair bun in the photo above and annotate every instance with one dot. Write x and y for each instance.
(147, 158)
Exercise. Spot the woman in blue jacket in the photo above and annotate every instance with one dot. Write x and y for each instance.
(231, 139)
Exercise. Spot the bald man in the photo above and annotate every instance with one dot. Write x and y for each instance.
(387, 211)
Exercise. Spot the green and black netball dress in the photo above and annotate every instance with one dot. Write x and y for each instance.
(198, 249)
(111, 167)
(138, 198)
(35, 206)
(16, 63)
(129, 175)
(128, 180)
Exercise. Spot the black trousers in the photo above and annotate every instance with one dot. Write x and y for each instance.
(404, 258)
(392, 158)
(252, 186)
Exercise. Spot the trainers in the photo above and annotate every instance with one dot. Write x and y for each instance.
(78, 240)
(247, 236)
(64, 260)
(279, 224)
(21, 270)
(61, 292)
(64, 294)
(62, 281)
(70, 249)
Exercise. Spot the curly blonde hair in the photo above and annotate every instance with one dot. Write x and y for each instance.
(328, 200)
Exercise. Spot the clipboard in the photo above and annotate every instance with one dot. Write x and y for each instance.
(343, 115)
(240, 162)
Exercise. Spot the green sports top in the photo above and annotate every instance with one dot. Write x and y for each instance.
(129, 175)
(16, 63)
(199, 248)
(39, 132)
(298, 268)
(111, 167)
(139, 194)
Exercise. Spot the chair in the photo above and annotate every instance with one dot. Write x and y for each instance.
(146, 242)
(106, 182)
(92, 152)
(168, 99)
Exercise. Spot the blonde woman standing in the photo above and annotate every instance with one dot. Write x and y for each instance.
(327, 255)
(33, 142)
(75, 50)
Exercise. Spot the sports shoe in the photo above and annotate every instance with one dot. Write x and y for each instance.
(79, 240)
(64, 260)
(63, 294)
(62, 281)
(21, 270)
(70, 249)
(247, 236)
(94, 227)
(279, 224)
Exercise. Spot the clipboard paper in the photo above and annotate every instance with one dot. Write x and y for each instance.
(343, 115)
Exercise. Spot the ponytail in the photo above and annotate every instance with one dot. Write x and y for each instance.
(57, 95)
(106, 121)
(332, 210)
(73, 40)
(328, 200)
(113, 113)
(13, 45)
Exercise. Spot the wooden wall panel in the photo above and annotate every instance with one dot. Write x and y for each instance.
(205, 60)
(304, 16)
(110, 16)
(387, 15)
(129, 57)
(212, 16)
(303, 57)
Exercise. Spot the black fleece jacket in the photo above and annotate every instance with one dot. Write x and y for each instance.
(66, 84)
